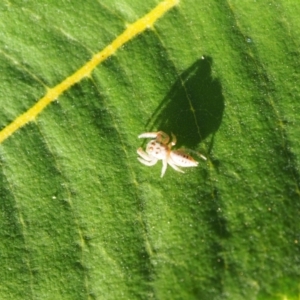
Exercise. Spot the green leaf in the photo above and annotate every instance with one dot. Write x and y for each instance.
(81, 218)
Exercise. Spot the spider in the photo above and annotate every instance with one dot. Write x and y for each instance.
(160, 148)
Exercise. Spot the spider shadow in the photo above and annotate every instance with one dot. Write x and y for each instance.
(193, 108)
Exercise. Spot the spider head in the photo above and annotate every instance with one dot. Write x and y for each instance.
(157, 150)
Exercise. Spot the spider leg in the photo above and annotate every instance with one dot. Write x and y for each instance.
(143, 154)
(160, 136)
(202, 156)
(170, 162)
(148, 135)
(147, 162)
(164, 168)
(174, 140)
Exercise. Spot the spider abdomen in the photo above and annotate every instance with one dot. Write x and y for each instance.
(182, 159)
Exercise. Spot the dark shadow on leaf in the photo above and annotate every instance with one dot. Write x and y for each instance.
(193, 108)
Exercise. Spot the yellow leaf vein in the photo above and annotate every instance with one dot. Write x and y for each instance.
(52, 94)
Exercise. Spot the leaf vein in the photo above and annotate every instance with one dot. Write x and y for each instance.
(52, 94)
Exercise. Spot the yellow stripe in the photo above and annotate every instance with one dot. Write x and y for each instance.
(132, 30)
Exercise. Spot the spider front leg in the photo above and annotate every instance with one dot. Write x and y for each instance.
(159, 136)
(145, 159)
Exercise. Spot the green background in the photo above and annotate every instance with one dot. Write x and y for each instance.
(81, 218)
